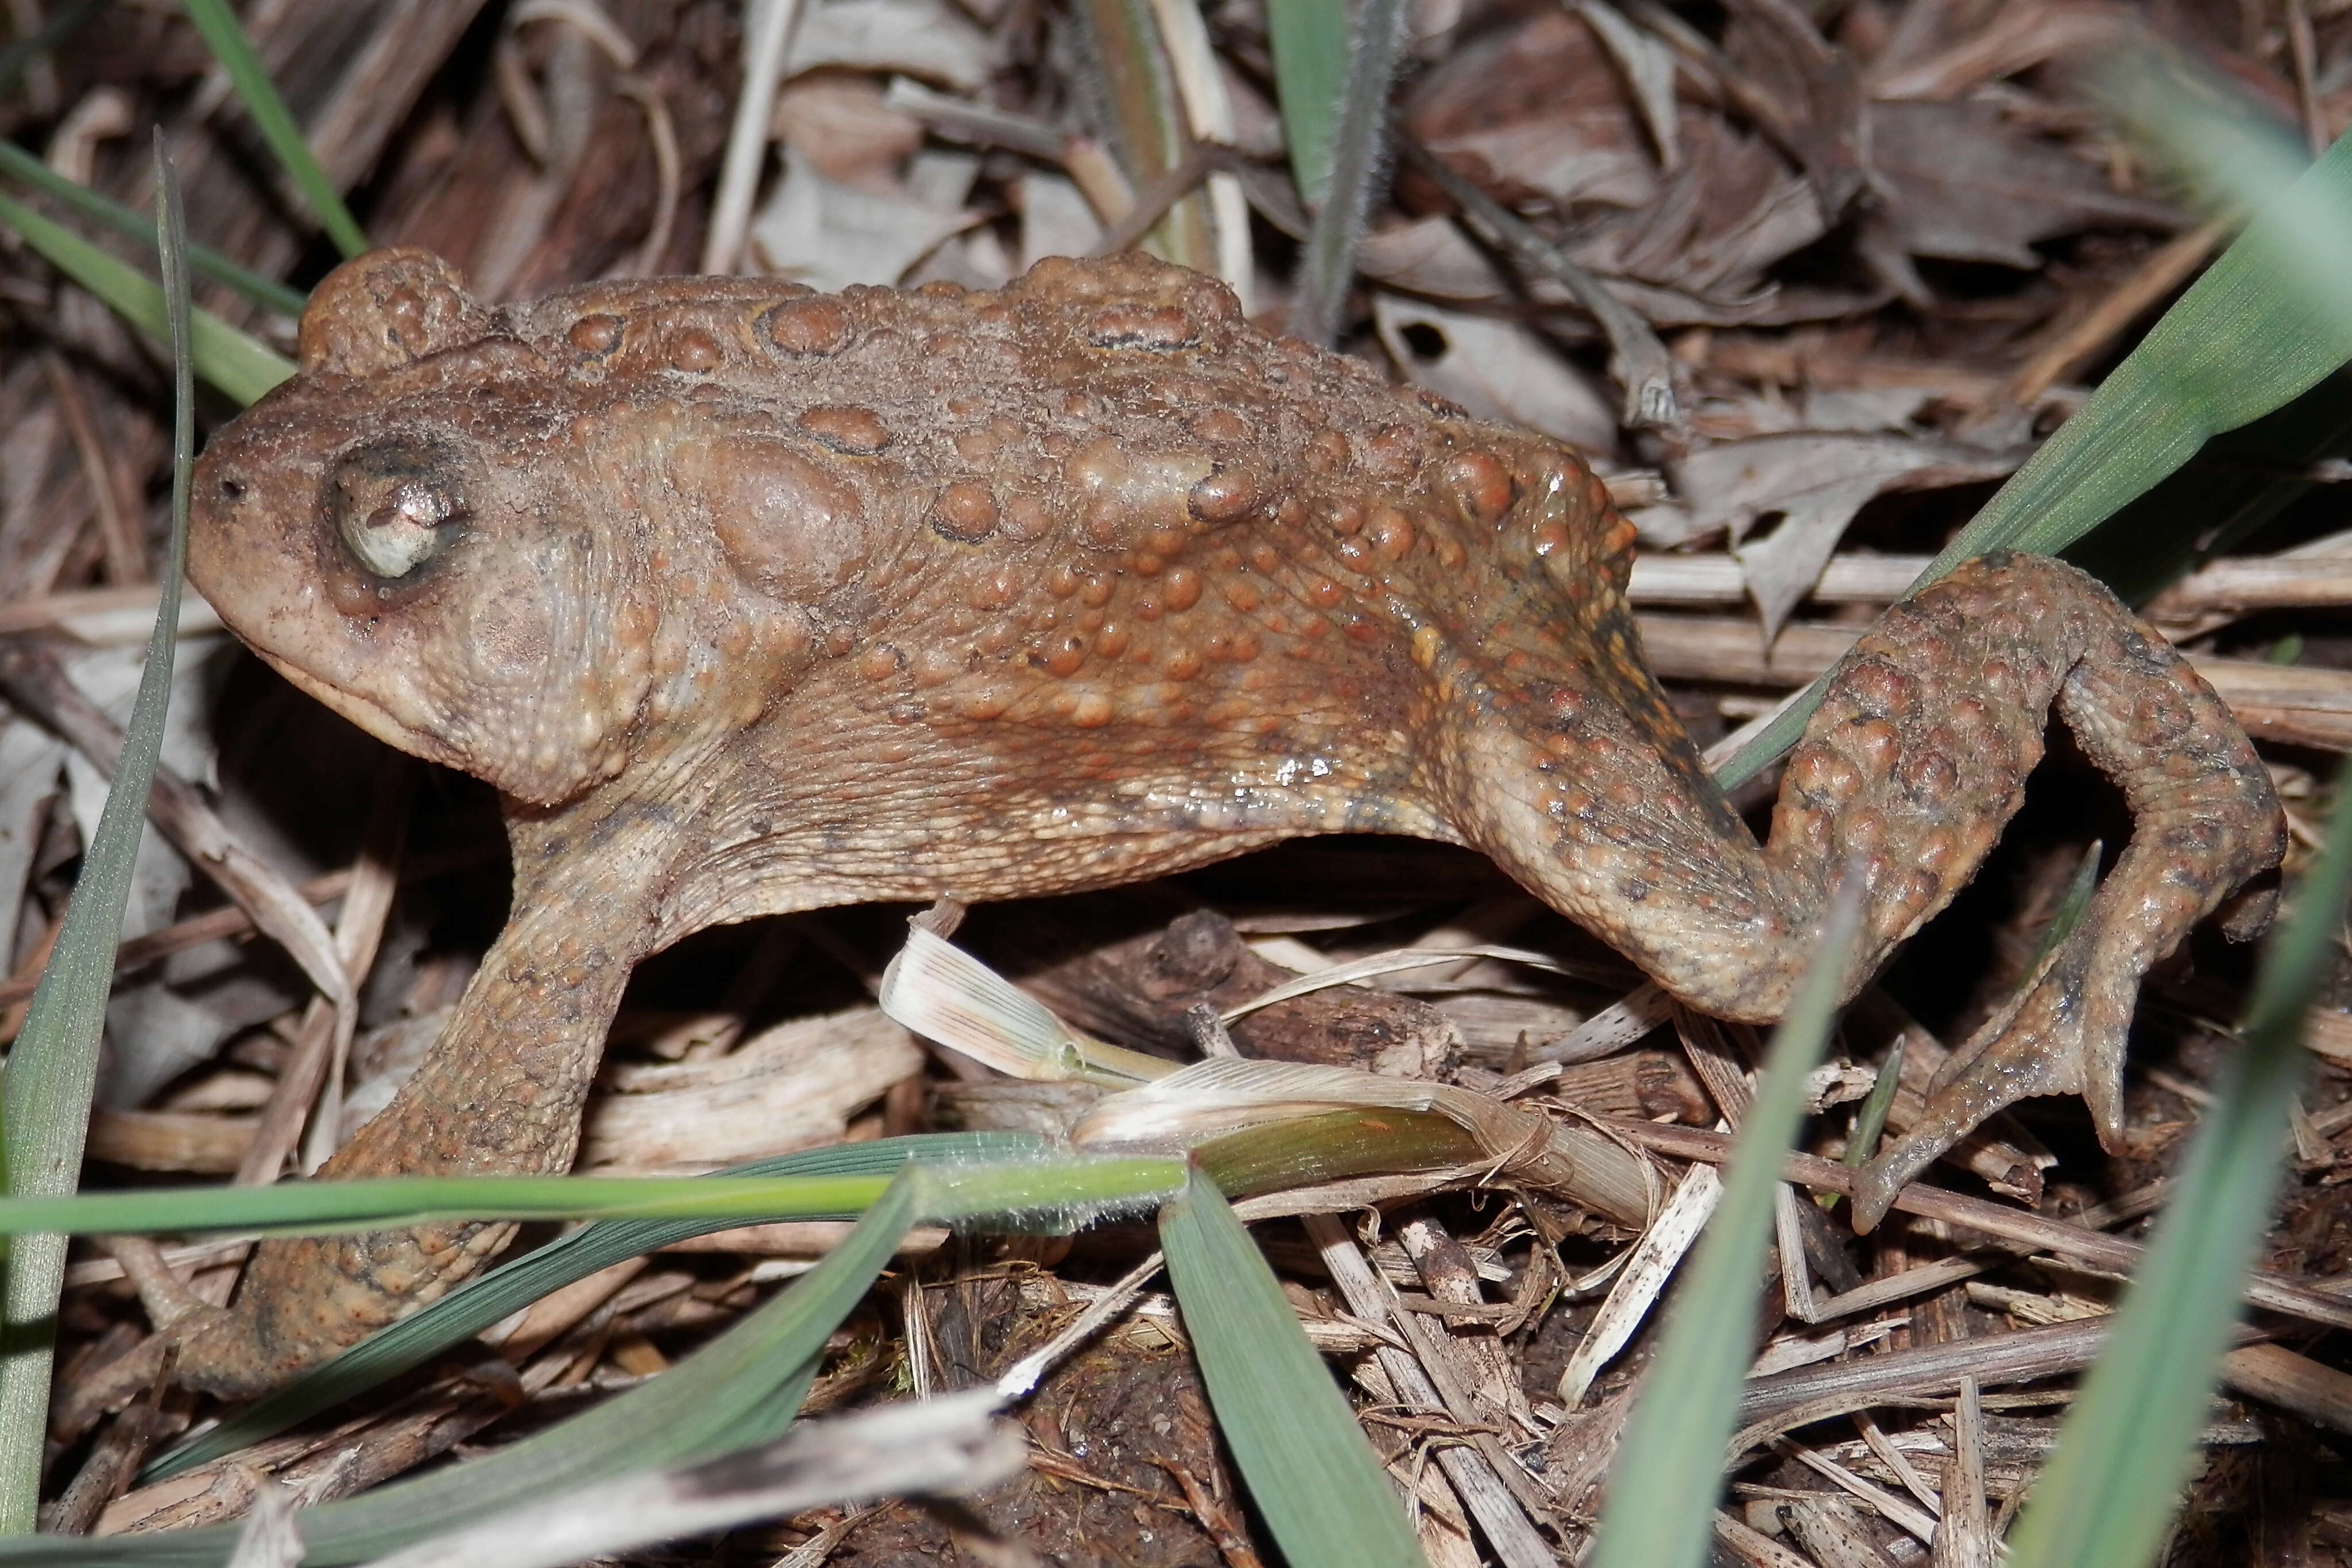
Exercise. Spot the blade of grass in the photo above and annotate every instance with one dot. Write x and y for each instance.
(250, 78)
(482, 1302)
(52, 1069)
(2127, 1444)
(385, 1203)
(1659, 1511)
(1359, 164)
(689, 1412)
(1306, 1150)
(742, 1388)
(2249, 336)
(1313, 1477)
(1310, 56)
(2242, 481)
(240, 366)
(262, 291)
(1869, 1120)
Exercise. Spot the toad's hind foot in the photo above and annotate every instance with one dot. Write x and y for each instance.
(2062, 1034)
(2204, 821)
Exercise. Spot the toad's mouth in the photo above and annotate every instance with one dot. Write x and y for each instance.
(369, 716)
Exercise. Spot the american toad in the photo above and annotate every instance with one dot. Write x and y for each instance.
(752, 600)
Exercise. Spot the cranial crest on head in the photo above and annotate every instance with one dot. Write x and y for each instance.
(386, 310)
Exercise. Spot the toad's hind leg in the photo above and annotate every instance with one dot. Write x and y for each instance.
(1915, 760)
(2204, 820)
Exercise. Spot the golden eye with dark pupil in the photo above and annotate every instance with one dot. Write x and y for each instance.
(410, 522)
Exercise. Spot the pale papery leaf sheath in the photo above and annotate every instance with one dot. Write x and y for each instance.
(944, 994)
(939, 991)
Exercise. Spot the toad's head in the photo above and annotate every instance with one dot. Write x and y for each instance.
(401, 529)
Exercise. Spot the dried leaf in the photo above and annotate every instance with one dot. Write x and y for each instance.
(1649, 70)
(1055, 218)
(1542, 106)
(1714, 227)
(919, 38)
(1963, 183)
(844, 129)
(1817, 481)
(156, 1035)
(1431, 257)
(1499, 371)
(1940, 51)
(1541, 109)
(1808, 93)
(829, 236)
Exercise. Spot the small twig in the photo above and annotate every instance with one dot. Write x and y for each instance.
(1637, 357)
(669, 174)
(226, 924)
(2303, 51)
(1025, 1374)
(767, 29)
(1151, 203)
(1477, 1478)
(112, 491)
(1208, 1030)
(2263, 1288)
(984, 125)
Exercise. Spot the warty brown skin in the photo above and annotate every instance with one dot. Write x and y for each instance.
(753, 601)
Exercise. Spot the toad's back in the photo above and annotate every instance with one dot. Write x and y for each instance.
(1081, 578)
(1134, 586)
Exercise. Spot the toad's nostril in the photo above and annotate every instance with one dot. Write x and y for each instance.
(233, 489)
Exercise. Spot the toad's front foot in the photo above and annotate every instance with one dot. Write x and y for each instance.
(499, 1093)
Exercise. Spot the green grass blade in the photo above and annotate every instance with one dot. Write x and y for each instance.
(247, 74)
(2255, 331)
(1311, 74)
(1309, 1468)
(53, 1068)
(265, 292)
(2127, 1445)
(479, 1302)
(688, 1412)
(1659, 1511)
(742, 1388)
(385, 1203)
(1360, 147)
(237, 364)
(1870, 1121)
(1064, 1189)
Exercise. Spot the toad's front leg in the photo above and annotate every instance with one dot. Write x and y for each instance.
(500, 1092)
(1917, 756)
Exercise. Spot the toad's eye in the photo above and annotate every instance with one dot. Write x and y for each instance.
(393, 518)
